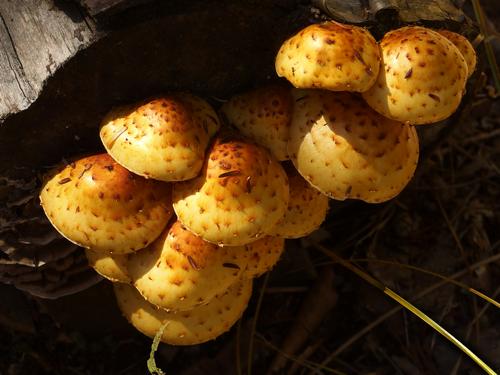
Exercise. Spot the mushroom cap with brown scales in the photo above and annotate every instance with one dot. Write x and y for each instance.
(202, 112)
(330, 56)
(464, 46)
(422, 77)
(263, 255)
(96, 203)
(263, 115)
(180, 270)
(113, 267)
(239, 196)
(164, 138)
(346, 150)
(196, 326)
(306, 210)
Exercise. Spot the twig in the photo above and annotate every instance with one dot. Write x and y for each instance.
(321, 298)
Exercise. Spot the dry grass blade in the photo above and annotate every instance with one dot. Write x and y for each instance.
(239, 368)
(370, 279)
(469, 330)
(254, 324)
(152, 368)
(490, 54)
(435, 274)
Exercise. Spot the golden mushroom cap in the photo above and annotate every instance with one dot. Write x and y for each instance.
(346, 150)
(201, 324)
(264, 116)
(164, 138)
(96, 203)
(240, 194)
(464, 46)
(180, 270)
(113, 267)
(263, 255)
(422, 77)
(306, 210)
(330, 56)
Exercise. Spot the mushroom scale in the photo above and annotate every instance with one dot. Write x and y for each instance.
(113, 267)
(239, 196)
(196, 326)
(346, 150)
(330, 56)
(180, 270)
(306, 210)
(464, 46)
(164, 138)
(263, 255)
(96, 203)
(263, 115)
(422, 78)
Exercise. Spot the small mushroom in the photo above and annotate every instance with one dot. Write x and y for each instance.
(464, 46)
(164, 138)
(330, 56)
(422, 78)
(96, 203)
(263, 255)
(264, 116)
(180, 270)
(306, 210)
(239, 196)
(346, 150)
(196, 326)
(113, 267)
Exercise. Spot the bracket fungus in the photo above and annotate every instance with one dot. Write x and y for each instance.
(201, 324)
(239, 196)
(330, 56)
(422, 78)
(180, 270)
(164, 138)
(96, 203)
(346, 150)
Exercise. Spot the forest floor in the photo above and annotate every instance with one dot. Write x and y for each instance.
(311, 314)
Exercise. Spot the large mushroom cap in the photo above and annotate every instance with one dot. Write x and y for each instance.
(180, 270)
(422, 78)
(241, 194)
(164, 138)
(263, 255)
(263, 115)
(201, 324)
(306, 210)
(464, 46)
(113, 267)
(330, 56)
(346, 150)
(96, 203)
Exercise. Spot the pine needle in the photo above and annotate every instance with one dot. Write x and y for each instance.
(254, 324)
(377, 284)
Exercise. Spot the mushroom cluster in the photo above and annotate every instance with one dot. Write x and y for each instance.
(188, 205)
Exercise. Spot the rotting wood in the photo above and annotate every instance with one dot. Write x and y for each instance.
(36, 38)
